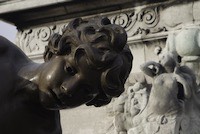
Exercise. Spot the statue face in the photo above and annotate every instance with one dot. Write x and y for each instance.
(88, 63)
(66, 84)
(164, 58)
(168, 61)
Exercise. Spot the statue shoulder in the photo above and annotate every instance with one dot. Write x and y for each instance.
(4, 44)
(11, 51)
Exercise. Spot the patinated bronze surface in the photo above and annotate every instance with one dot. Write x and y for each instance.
(87, 64)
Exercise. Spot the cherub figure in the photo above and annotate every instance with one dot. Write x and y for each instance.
(88, 64)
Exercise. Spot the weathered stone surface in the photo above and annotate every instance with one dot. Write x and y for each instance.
(176, 15)
(169, 104)
(87, 120)
(35, 13)
(139, 53)
(196, 10)
(187, 42)
(144, 52)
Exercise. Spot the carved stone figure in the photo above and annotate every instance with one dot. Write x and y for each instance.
(173, 104)
(133, 102)
(167, 104)
(88, 64)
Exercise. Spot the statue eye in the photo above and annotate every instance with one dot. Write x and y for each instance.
(70, 70)
(104, 49)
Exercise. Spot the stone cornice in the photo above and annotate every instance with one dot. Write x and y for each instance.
(19, 5)
(24, 13)
(142, 23)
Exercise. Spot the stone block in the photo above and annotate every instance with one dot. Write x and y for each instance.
(86, 120)
(196, 10)
(173, 16)
(150, 47)
(138, 53)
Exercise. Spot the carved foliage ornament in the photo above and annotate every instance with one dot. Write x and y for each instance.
(136, 22)
(33, 41)
(139, 22)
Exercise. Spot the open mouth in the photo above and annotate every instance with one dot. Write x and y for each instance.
(56, 98)
(180, 95)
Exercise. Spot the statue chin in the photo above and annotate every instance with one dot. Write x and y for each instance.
(49, 102)
(53, 102)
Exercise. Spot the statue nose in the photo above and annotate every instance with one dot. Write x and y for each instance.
(65, 90)
(70, 86)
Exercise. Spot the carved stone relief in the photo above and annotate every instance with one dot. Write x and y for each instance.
(164, 97)
(139, 21)
(33, 41)
(148, 22)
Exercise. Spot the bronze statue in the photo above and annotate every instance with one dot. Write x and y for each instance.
(88, 64)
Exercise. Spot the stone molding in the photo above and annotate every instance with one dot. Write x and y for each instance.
(142, 23)
(16, 5)
(26, 13)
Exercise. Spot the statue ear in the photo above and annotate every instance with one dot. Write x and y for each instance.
(52, 48)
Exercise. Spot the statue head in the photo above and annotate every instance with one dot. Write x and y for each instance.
(167, 59)
(88, 64)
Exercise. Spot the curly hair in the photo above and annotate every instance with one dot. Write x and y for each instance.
(105, 46)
